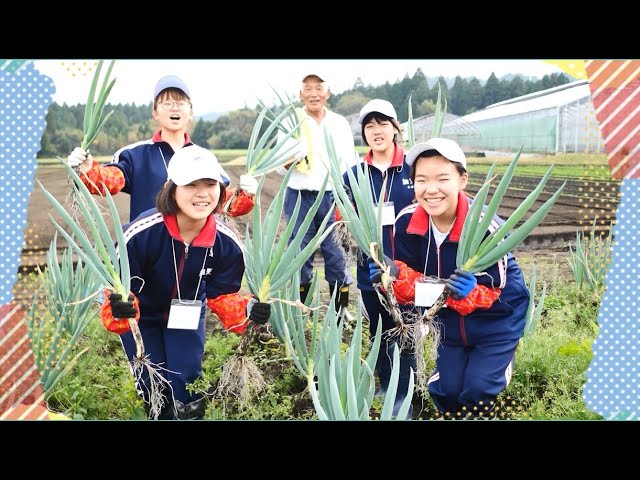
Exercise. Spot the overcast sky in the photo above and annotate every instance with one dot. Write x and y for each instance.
(224, 85)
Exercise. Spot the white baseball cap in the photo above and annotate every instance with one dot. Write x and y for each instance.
(377, 105)
(445, 147)
(170, 81)
(312, 75)
(318, 77)
(193, 163)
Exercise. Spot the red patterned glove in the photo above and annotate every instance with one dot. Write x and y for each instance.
(480, 297)
(241, 204)
(231, 309)
(115, 312)
(405, 285)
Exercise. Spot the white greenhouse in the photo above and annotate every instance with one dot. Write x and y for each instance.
(557, 120)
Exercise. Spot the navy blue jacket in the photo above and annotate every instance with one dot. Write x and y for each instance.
(152, 240)
(505, 319)
(144, 165)
(399, 191)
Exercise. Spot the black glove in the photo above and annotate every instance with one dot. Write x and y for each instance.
(120, 309)
(260, 312)
(375, 272)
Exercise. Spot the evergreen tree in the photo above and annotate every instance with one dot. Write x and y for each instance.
(491, 92)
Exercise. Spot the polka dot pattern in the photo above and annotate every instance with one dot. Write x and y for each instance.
(613, 378)
(25, 96)
(79, 68)
(575, 68)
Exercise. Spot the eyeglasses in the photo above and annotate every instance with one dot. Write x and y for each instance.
(182, 106)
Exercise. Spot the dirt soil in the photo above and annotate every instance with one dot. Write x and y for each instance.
(40, 229)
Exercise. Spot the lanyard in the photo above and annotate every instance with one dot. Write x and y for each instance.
(175, 267)
(426, 258)
(388, 192)
(435, 229)
(165, 165)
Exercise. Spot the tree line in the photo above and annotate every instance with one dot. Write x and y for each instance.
(130, 123)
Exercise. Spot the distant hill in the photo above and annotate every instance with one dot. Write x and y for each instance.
(508, 77)
(210, 117)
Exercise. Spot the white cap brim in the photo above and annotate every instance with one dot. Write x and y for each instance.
(192, 163)
(445, 147)
(377, 105)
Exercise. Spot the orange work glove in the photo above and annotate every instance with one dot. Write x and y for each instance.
(480, 297)
(241, 204)
(231, 309)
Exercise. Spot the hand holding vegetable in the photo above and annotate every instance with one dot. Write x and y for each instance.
(249, 184)
(375, 271)
(461, 283)
(258, 312)
(79, 158)
(120, 308)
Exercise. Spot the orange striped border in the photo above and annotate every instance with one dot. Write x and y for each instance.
(21, 394)
(615, 93)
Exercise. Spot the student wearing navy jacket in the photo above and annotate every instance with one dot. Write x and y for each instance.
(385, 160)
(484, 316)
(182, 258)
(140, 169)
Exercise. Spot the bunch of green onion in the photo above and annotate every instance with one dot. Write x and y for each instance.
(264, 153)
(534, 310)
(55, 327)
(345, 384)
(478, 251)
(93, 113)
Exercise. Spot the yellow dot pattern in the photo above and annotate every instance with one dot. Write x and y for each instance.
(575, 68)
(79, 68)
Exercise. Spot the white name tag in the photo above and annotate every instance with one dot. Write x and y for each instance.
(184, 314)
(388, 213)
(428, 290)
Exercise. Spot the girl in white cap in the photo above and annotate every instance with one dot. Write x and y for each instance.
(484, 317)
(140, 169)
(182, 258)
(385, 159)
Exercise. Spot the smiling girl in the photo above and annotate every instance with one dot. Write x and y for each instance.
(484, 317)
(182, 257)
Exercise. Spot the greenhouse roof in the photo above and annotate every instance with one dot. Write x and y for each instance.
(543, 100)
(453, 126)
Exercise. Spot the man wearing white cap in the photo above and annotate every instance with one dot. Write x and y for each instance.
(309, 175)
(484, 317)
(140, 169)
(182, 258)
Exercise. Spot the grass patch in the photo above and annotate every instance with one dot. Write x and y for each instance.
(549, 373)
(100, 385)
(593, 167)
